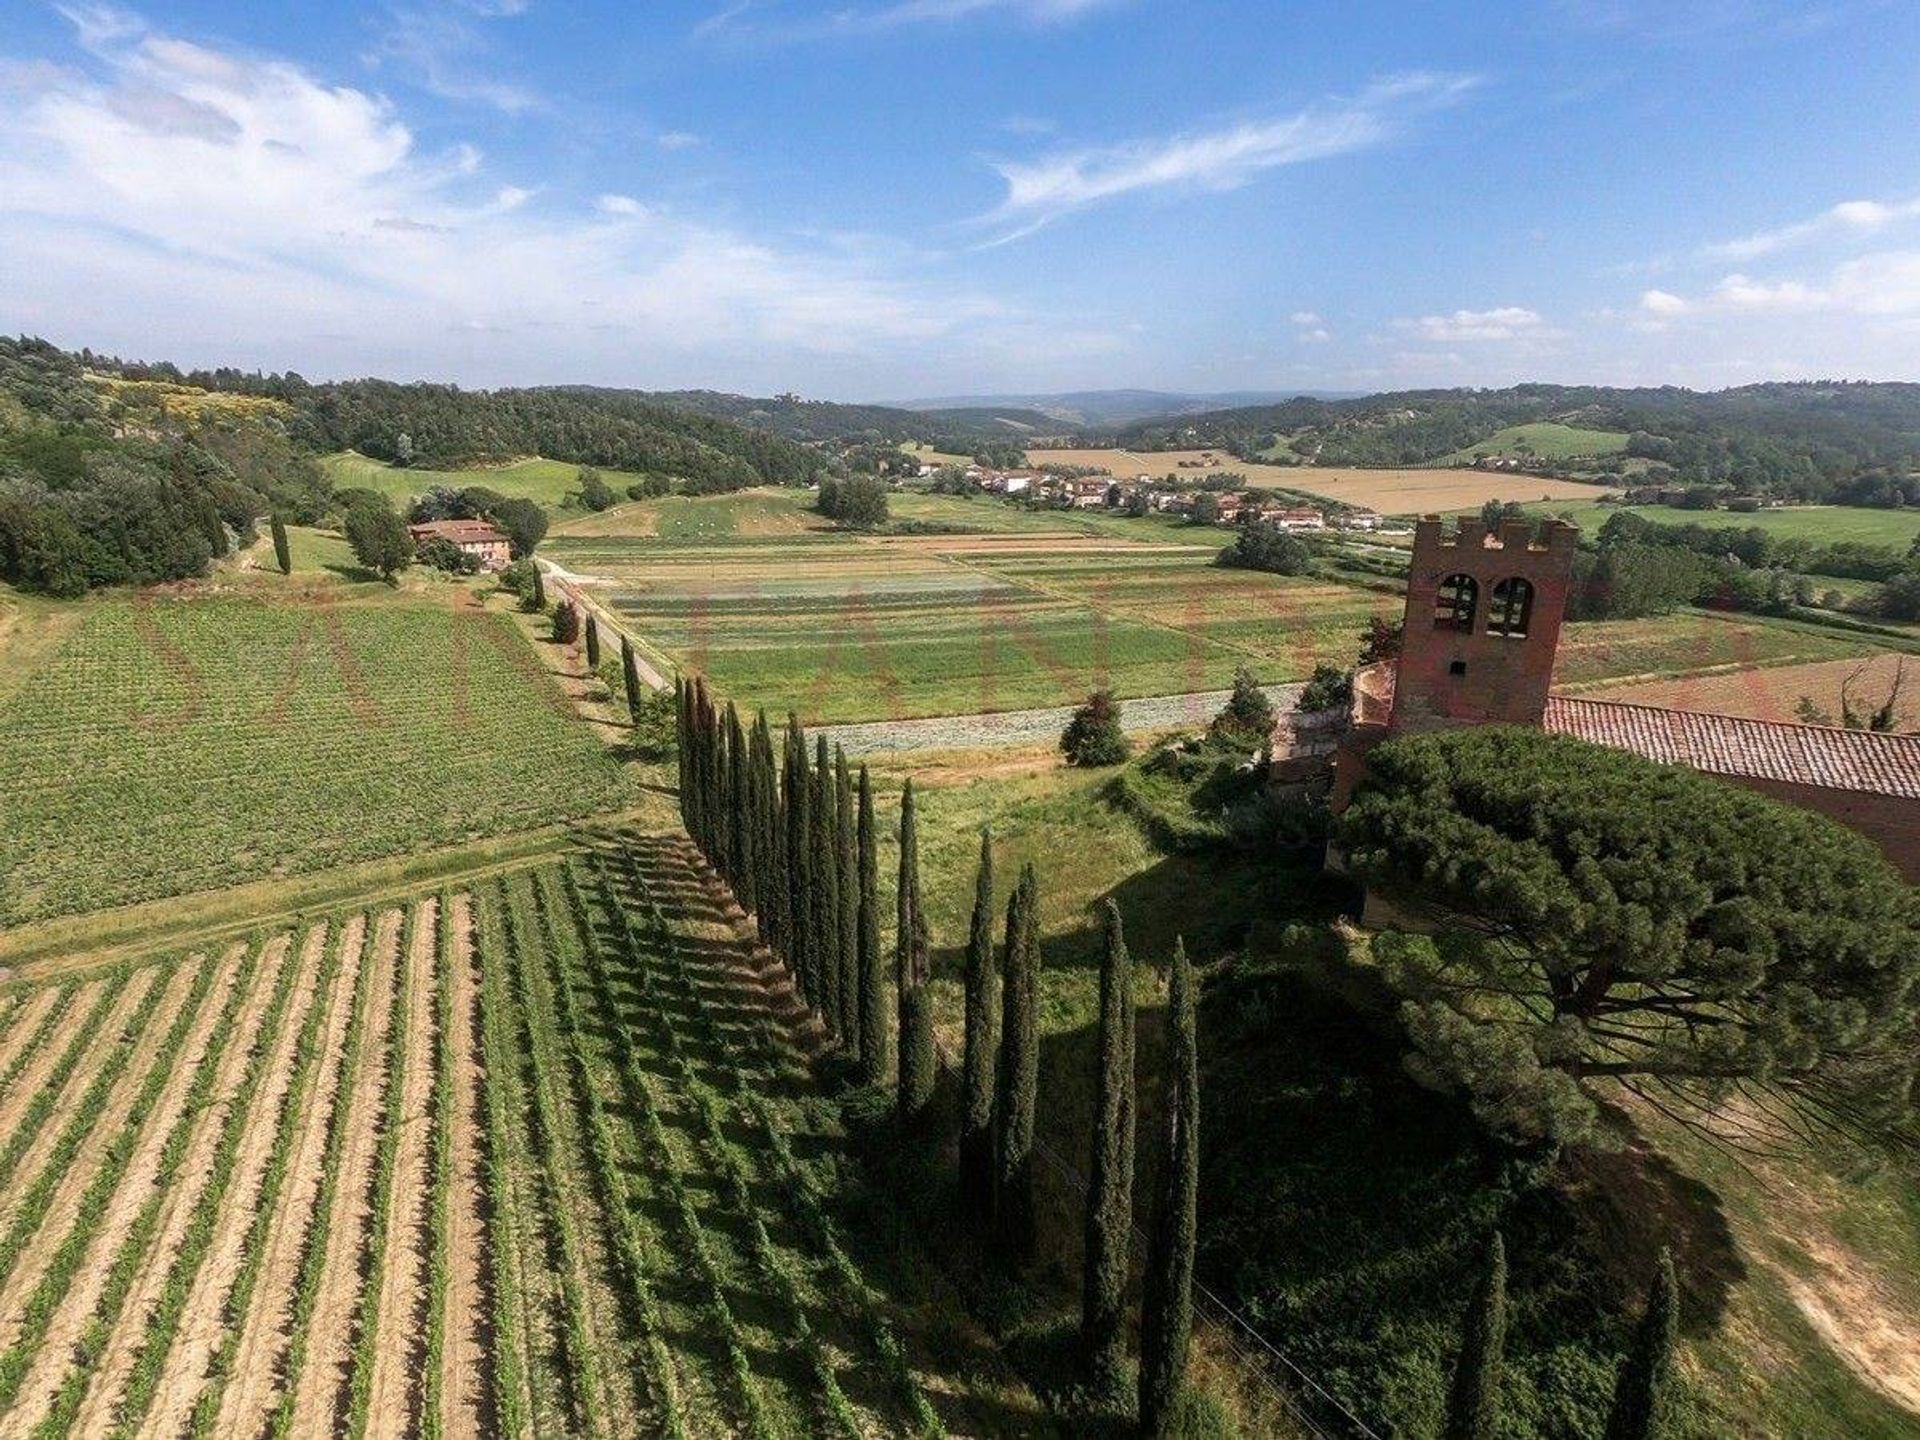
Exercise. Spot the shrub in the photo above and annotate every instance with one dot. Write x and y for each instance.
(595, 493)
(1093, 736)
(1263, 546)
(566, 623)
(440, 553)
(1247, 717)
(1329, 689)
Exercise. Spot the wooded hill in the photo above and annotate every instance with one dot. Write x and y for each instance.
(961, 429)
(1850, 441)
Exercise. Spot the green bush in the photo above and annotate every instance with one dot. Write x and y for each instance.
(1093, 736)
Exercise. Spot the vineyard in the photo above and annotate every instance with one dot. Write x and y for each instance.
(173, 746)
(538, 1156)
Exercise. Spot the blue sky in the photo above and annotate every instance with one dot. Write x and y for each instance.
(871, 199)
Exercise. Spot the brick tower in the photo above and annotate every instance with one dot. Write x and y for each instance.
(1483, 619)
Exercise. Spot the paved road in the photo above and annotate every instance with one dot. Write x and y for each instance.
(1035, 727)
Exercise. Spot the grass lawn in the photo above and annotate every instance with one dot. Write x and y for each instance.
(1547, 439)
(1823, 524)
(547, 482)
(182, 744)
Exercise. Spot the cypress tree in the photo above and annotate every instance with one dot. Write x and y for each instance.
(719, 792)
(826, 888)
(1637, 1396)
(869, 962)
(911, 962)
(630, 672)
(846, 847)
(1019, 1069)
(740, 812)
(282, 551)
(593, 644)
(772, 884)
(1166, 1311)
(977, 1063)
(1109, 1225)
(683, 747)
(1473, 1405)
(539, 588)
(800, 949)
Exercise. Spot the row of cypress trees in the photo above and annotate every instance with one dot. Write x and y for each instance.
(793, 834)
(1473, 1403)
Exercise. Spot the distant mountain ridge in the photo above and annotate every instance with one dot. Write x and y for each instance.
(1100, 408)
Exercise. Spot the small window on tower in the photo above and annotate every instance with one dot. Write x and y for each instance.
(1512, 609)
(1455, 603)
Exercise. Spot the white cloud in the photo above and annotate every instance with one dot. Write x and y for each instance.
(676, 140)
(1308, 326)
(768, 20)
(1884, 283)
(1505, 322)
(439, 51)
(1306, 317)
(1848, 218)
(179, 197)
(1041, 191)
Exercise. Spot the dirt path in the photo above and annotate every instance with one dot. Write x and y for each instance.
(87, 1159)
(1849, 1305)
(403, 1278)
(33, 1075)
(94, 1049)
(466, 1352)
(123, 1344)
(204, 1321)
(24, 1020)
(263, 1337)
(135, 1189)
(329, 1349)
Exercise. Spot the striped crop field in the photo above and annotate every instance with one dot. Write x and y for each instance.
(532, 1156)
(178, 745)
(912, 627)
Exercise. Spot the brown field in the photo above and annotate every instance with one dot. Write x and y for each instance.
(1392, 492)
(1774, 694)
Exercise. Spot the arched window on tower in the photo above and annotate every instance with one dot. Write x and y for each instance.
(1512, 608)
(1454, 605)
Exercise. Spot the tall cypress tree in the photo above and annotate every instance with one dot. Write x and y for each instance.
(1638, 1394)
(826, 888)
(742, 813)
(630, 672)
(911, 966)
(1166, 1310)
(282, 551)
(1109, 1225)
(1018, 1072)
(719, 792)
(539, 588)
(777, 885)
(771, 885)
(800, 949)
(870, 962)
(593, 643)
(683, 747)
(977, 1066)
(1473, 1405)
(847, 865)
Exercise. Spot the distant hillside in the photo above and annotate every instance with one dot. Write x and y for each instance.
(945, 428)
(1102, 408)
(1855, 442)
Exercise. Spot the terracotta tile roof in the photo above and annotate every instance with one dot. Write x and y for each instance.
(1754, 749)
(460, 532)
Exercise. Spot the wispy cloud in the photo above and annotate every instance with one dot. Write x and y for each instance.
(771, 20)
(1504, 322)
(1041, 191)
(438, 48)
(1849, 218)
(176, 196)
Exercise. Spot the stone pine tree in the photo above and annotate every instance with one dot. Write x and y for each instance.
(847, 866)
(869, 960)
(1473, 1404)
(282, 551)
(1638, 1394)
(1018, 1072)
(977, 1064)
(593, 644)
(910, 966)
(800, 947)
(826, 888)
(1109, 1221)
(630, 672)
(1166, 1309)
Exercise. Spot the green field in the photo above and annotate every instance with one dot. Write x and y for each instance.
(1547, 439)
(1822, 524)
(546, 482)
(180, 745)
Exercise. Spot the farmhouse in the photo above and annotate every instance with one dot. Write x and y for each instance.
(1299, 517)
(473, 537)
(1482, 625)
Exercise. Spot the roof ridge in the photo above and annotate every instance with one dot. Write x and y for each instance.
(1716, 715)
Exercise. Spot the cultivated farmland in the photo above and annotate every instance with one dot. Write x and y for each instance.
(535, 1156)
(546, 482)
(174, 745)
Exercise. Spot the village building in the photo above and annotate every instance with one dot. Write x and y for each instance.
(471, 537)
(1483, 619)
(1360, 520)
(1299, 517)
